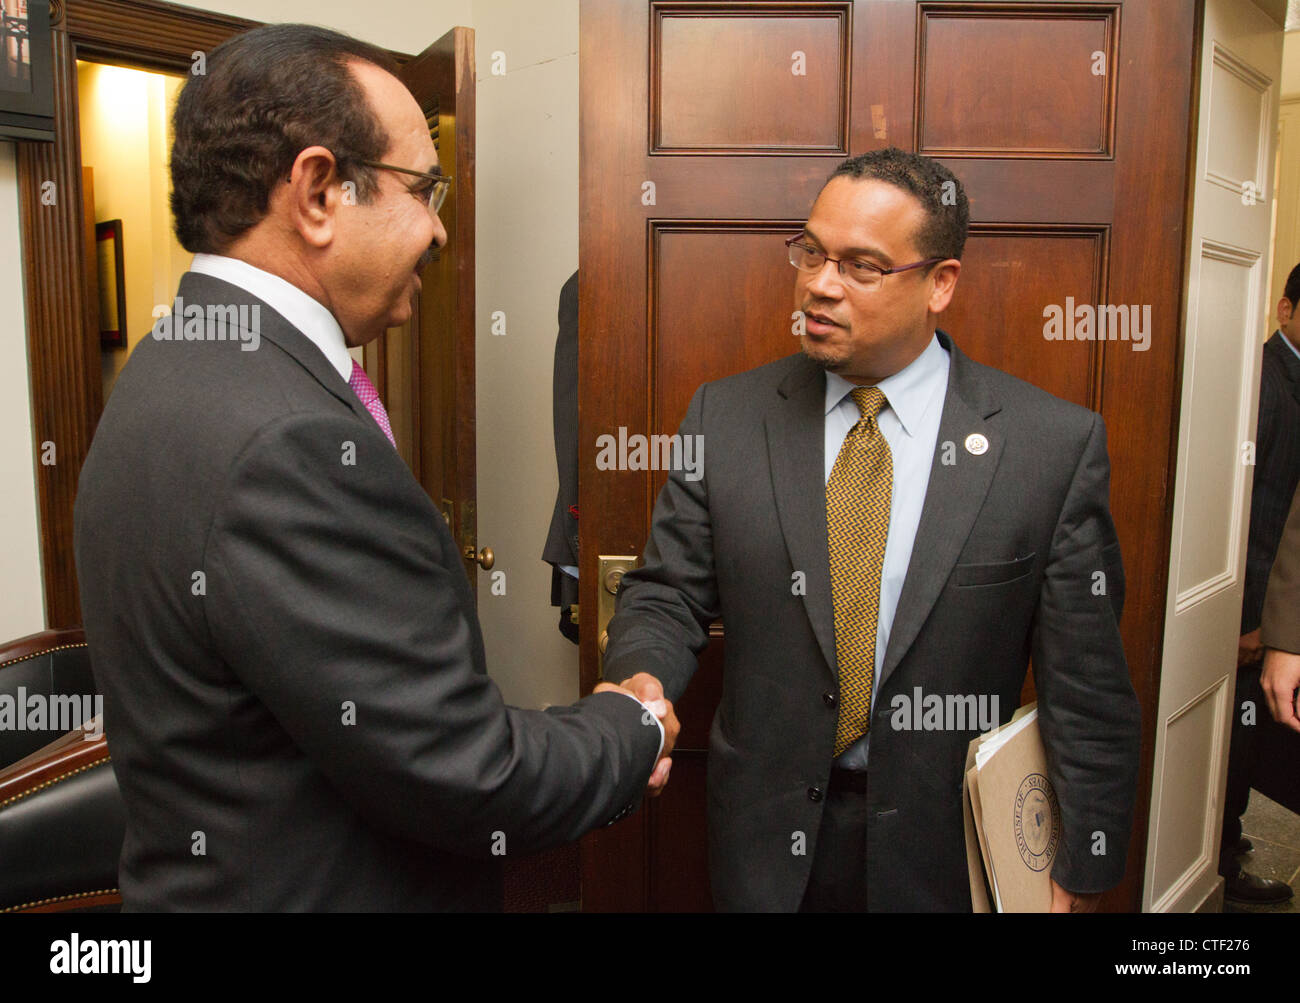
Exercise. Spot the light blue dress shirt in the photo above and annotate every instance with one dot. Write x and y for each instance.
(910, 424)
(1287, 341)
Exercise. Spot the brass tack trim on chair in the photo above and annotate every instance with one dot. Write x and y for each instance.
(61, 898)
(42, 651)
(54, 780)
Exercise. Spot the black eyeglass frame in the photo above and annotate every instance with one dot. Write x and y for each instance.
(797, 239)
(437, 194)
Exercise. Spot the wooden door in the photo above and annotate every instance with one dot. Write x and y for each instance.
(707, 130)
(424, 370)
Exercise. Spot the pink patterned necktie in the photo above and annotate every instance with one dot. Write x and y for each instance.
(369, 396)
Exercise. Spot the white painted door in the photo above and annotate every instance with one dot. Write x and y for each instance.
(1226, 314)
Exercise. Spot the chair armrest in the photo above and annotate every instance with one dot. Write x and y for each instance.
(61, 826)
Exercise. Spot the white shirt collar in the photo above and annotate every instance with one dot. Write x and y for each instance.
(302, 311)
(1287, 341)
(909, 391)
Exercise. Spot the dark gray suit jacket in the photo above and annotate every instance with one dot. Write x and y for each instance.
(294, 686)
(1004, 568)
(1276, 472)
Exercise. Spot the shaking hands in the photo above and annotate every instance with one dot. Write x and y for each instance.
(648, 690)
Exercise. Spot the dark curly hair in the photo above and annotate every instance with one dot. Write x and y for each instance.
(267, 95)
(1292, 289)
(947, 213)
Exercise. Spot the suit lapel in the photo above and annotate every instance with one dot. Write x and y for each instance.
(205, 289)
(953, 499)
(796, 443)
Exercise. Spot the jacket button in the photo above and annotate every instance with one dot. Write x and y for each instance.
(814, 793)
(829, 699)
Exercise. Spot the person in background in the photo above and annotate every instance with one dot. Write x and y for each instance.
(1279, 629)
(1276, 474)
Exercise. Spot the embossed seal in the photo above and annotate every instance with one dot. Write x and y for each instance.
(1037, 822)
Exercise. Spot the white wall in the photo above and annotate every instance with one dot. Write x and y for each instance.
(1286, 186)
(23, 609)
(527, 248)
(1290, 64)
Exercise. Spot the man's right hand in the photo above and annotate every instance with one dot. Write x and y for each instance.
(650, 692)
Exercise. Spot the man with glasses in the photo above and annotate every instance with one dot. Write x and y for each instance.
(294, 685)
(882, 524)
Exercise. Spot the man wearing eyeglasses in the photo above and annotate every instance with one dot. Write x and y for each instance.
(295, 693)
(885, 528)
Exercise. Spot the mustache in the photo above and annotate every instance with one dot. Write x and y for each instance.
(427, 258)
(811, 308)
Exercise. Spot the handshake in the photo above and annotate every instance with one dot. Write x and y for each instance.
(650, 692)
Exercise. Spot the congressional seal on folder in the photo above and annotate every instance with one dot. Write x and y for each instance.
(1013, 821)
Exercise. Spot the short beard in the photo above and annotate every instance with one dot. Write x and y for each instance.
(830, 363)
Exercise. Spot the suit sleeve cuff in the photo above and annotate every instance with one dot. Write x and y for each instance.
(649, 714)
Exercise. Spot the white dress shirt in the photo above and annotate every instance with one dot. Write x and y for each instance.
(308, 315)
(910, 425)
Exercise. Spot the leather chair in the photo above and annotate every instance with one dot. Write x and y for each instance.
(61, 815)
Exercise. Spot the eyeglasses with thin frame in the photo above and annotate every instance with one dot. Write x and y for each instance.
(862, 274)
(434, 196)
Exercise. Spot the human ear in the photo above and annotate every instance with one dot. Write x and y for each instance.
(314, 195)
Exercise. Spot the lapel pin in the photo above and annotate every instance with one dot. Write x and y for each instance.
(976, 444)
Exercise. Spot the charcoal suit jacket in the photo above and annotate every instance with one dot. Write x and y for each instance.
(295, 694)
(1015, 557)
(1276, 472)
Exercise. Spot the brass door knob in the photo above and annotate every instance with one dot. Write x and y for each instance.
(484, 557)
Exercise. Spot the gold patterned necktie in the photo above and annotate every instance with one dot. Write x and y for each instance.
(857, 524)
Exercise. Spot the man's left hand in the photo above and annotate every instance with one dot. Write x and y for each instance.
(1063, 901)
(1280, 680)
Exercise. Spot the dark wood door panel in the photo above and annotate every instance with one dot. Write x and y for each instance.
(726, 78)
(1011, 277)
(1022, 80)
(722, 303)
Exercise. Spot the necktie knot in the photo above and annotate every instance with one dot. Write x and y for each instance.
(870, 401)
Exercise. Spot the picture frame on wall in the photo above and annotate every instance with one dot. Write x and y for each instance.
(112, 284)
(26, 77)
